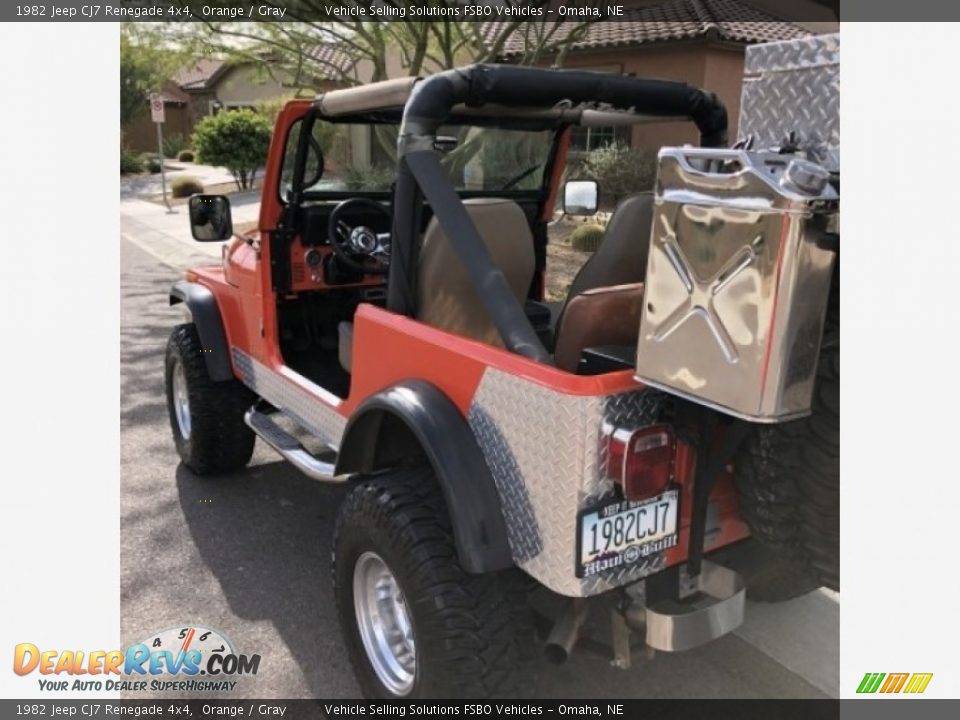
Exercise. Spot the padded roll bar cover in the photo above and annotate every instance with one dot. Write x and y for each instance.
(476, 85)
(446, 439)
(363, 98)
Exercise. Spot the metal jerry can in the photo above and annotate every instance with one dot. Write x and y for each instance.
(738, 280)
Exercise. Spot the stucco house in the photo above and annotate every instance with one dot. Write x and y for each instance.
(210, 85)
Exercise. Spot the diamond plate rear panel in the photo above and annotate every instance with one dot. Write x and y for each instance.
(542, 449)
(309, 412)
(794, 86)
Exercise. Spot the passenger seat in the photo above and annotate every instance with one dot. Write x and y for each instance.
(605, 300)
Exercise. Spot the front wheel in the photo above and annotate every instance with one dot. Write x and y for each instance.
(416, 624)
(206, 417)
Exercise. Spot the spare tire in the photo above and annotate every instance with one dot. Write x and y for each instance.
(788, 481)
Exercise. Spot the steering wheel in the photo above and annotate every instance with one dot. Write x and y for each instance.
(356, 245)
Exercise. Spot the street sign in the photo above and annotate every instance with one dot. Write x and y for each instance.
(156, 114)
(156, 108)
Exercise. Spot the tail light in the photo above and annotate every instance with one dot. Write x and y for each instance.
(640, 460)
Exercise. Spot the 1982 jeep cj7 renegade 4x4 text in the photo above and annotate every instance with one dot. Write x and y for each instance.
(386, 329)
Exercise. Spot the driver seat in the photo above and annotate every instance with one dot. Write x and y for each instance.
(446, 298)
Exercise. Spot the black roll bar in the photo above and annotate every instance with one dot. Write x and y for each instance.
(432, 99)
(429, 107)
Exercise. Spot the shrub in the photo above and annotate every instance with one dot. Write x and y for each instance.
(587, 238)
(185, 156)
(185, 186)
(173, 144)
(620, 170)
(154, 166)
(375, 177)
(235, 139)
(270, 109)
(130, 162)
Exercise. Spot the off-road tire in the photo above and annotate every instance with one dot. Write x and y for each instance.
(474, 633)
(219, 441)
(788, 481)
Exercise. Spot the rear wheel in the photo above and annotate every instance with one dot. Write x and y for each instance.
(788, 480)
(416, 624)
(206, 416)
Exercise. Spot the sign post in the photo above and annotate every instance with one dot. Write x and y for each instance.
(157, 115)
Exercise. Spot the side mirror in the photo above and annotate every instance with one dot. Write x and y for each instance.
(580, 197)
(210, 219)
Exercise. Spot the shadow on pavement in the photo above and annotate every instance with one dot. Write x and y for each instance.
(265, 534)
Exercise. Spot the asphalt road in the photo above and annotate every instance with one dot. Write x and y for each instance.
(249, 555)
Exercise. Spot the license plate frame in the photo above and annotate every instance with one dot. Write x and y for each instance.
(626, 554)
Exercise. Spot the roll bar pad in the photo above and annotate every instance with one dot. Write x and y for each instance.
(477, 85)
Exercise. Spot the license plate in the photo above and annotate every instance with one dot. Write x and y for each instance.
(621, 533)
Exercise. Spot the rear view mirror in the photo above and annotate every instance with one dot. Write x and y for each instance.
(580, 197)
(210, 219)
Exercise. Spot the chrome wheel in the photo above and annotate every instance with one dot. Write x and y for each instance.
(385, 624)
(181, 401)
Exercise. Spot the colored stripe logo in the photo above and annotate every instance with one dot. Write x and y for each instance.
(887, 683)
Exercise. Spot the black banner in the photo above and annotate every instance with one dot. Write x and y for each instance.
(673, 12)
(334, 709)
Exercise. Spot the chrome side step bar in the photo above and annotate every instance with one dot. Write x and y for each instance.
(673, 626)
(291, 449)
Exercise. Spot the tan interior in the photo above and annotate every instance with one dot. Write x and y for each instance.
(605, 299)
(445, 296)
(621, 258)
(597, 317)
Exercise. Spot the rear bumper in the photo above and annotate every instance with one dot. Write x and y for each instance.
(672, 627)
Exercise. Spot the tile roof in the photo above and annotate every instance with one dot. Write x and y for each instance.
(172, 94)
(331, 60)
(199, 75)
(730, 20)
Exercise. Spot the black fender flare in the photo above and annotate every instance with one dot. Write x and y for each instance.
(395, 425)
(206, 316)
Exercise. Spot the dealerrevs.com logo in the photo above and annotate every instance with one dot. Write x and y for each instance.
(185, 659)
(894, 683)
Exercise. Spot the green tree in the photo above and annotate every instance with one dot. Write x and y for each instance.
(235, 139)
(146, 64)
(621, 170)
(288, 51)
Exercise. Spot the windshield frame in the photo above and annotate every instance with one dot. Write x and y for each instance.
(318, 196)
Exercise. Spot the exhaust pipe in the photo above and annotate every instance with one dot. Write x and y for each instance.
(566, 632)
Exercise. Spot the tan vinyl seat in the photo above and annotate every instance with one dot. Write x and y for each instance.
(598, 317)
(446, 297)
(605, 300)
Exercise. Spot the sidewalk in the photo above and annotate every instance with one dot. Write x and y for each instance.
(166, 235)
(140, 185)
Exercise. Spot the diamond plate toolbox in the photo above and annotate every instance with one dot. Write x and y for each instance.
(794, 86)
